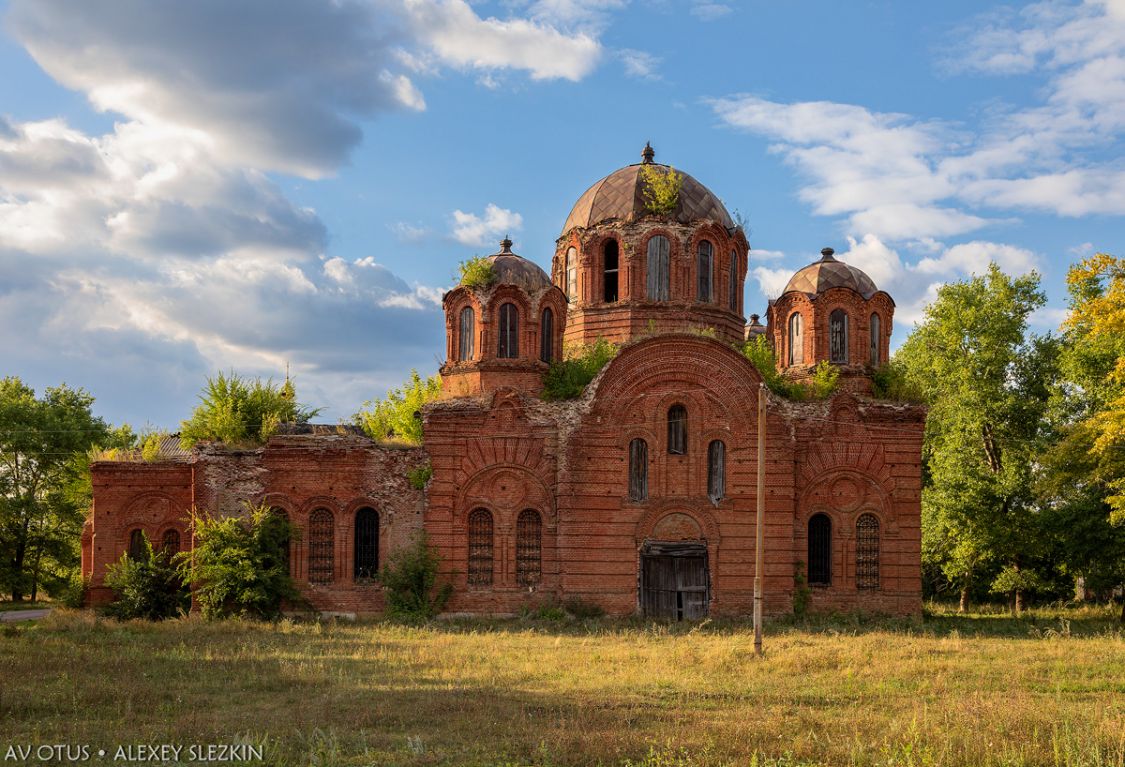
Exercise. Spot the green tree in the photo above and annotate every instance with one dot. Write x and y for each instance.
(44, 490)
(398, 415)
(148, 587)
(236, 410)
(410, 580)
(986, 380)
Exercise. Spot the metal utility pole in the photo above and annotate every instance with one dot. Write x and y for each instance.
(761, 522)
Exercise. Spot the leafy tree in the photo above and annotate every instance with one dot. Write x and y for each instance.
(240, 565)
(44, 487)
(986, 380)
(476, 272)
(398, 415)
(148, 587)
(236, 411)
(661, 188)
(410, 581)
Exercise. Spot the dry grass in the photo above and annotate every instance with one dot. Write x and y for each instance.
(980, 690)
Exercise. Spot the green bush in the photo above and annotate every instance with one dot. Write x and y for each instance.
(410, 581)
(567, 378)
(890, 382)
(823, 385)
(149, 587)
(240, 565)
(397, 417)
(476, 272)
(238, 411)
(419, 476)
(74, 593)
(661, 190)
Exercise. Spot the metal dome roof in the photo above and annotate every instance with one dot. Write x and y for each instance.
(512, 269)
(828, 273)
(620, 195)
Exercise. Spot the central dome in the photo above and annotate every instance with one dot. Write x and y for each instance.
(620, 196)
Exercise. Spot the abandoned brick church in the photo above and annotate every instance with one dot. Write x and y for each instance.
(640, 495)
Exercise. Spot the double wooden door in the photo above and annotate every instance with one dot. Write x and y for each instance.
(675, 584)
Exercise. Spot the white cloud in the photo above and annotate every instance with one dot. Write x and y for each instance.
(760, 254)
(880, 262)
(406, 232)
(771, 282)
(496, 222)
(710, 11)
(974, 257)
(640, 64)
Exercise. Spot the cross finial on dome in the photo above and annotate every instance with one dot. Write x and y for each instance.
(505, 245)
(647, 153)
(827, 254)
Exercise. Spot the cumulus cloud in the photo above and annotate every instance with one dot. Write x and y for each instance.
(485, 229)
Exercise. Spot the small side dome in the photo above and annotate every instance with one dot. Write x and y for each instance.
(621, 196)
(828, 273)
(512, 269)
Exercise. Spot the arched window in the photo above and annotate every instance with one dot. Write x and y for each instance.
(796, 339)
(677, 430)
(875, 345)
(659, 268)
(284, 543)
(322, 539)
(466, 338)
(547, 335)
(529, 548)
(366, 543)
(867, 552)
(820, 549)
(170, 541)
(610, 262)
(733, 281)
(572, 275)
(716, 469)
(638, 470)
(137, 549)
(704, 264)
(838, 336)
(480, 548)
(509, 345)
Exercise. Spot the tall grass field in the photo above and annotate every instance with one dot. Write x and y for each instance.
(1046, 689)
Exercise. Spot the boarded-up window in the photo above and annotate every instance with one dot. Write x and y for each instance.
(677, 430)
(838, 336)
(820, 549)
(366, 543)
(529, 548)
(716, 469)
(609, 278)
(547, 335)
(733, 281)
(867, 552)
(480, 548)
(875, 335)
(137, 549)
(796, 340)
(659, 268)
(466, 341)
(638, 470)
(322, 539)
(705, 262)
(283, 543)
(170, 541)
(509, 346)
(572, 275)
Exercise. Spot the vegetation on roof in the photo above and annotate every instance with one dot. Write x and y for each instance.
(761, 355)
(397, 417)
(242, 412)
(661, 188)
(567, 378)
(476, 272)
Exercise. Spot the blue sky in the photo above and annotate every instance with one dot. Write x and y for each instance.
(188, 187)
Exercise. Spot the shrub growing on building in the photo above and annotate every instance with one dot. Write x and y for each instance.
(419, 476)
(397, 417)
(410, 581)
(476, 272)
(240, 565)
(761, 356)
(236, 410)
(661, 188)
(567, 378)
(148, 587)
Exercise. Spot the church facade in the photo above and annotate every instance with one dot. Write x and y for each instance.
(640, 495)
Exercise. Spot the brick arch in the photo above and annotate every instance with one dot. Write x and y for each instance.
(505, 490)
(863, 458)
(703, 517)
(152, 512)
(281, 501)
(318, 502)
(844, 494)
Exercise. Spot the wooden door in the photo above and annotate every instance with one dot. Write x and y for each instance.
(675, 582)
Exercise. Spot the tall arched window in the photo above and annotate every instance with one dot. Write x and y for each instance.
(820, 549)
(638, 470)
(466, 334)
(170, 541)
(611, 262)
(659, 268)
(366, 543)
(867, 552)
(875, 346)
(571, 275)
(705, 267)
(716, 469)
(529, 548)
(284, 543)
(838, 336)
(796, 339)
(677, 430)
(137, 549)
(733, 281)
(509, 332)
(547, 335)
(480, 548)
(322, 540)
